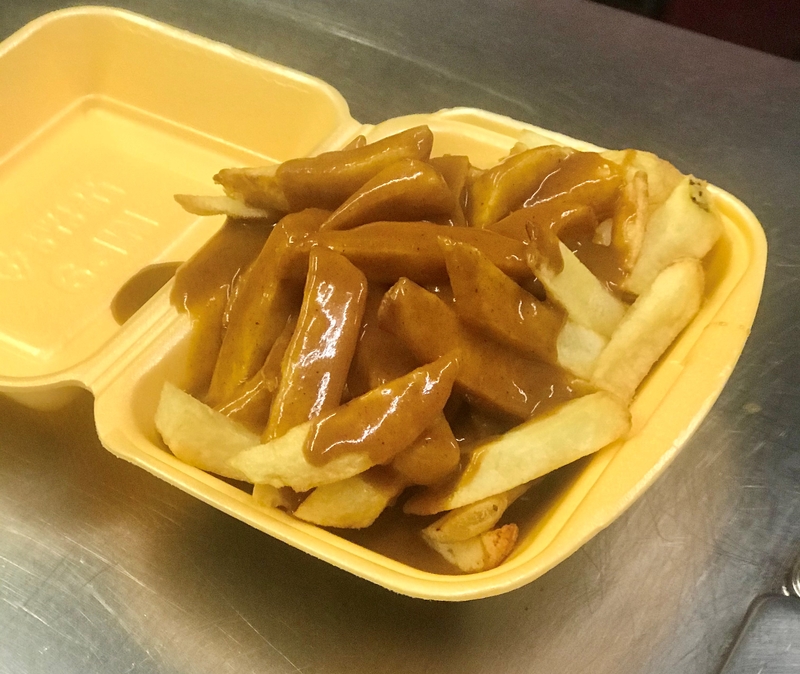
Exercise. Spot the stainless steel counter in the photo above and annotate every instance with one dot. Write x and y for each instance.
(105, 569)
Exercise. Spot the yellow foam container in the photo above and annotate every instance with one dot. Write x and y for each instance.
(113, 114)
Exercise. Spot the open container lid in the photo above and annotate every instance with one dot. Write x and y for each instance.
(112, 115)
(138, 112)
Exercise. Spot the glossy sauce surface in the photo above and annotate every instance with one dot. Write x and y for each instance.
(469, 384)
(203, 287)
(388, 419)
(135, 292)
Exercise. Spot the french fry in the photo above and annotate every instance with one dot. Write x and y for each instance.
(532, 449)
(588, 179)
(504, 188)
(255, 187)
(432, 457)
(315, 366)
(250, 402)
(388, 251)
(381, 357)
(561, 215)
(630, 220)
(662, 177)
(491, 374)
(481, 553)
(198, 435)
(650, 326)
(272, 497)
(686, 225)
(490, 301)
(222, 205)
(579, 348)
(586, 300)
(260, 313)
(336, 447)
(282, 462)
(474, 519)
(327, 180)
(357, 142)
(455, 171)
(205, 286)
(406, 190)
(354, 503)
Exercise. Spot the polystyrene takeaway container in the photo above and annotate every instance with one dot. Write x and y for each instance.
(94, 149)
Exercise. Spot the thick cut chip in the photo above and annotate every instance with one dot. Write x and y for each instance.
(328, 179)
(273, 497)
(490, 301)
(216, 205)
(586, 178)
(261, 311)
(662, 177)
(356, 436)
(256, 187)
(381, 357)
(388, 251)
(579, 348)
(687, 225)
(504, 188)
(250, 403)
(354, 503)
(282, 462)
(586, 300)
(491, 374)
(432, 457)
(198, 435)
(315, 366)
(455, 171)
(206, 286)
(480, 553)
(474, 519)
(650, 326)
(630, 220)
(532, 449)
(406, 190)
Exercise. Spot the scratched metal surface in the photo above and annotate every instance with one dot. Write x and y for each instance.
(105, 569)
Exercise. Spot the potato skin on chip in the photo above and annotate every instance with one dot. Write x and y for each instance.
(199, 435)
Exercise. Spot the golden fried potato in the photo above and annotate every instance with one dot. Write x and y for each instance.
(586, 300)
(216, 205)
(686, 226)
(649, 327)
(317, 360)
(504, 188)
(198, 435)
(406, 190)
(532, 449)
(329, 179)
(354, 503)
(474, 519)
(480, 553)
(267, 299)
(316, 453)
(493, 375)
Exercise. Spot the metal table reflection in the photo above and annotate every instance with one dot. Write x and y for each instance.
(103, 568)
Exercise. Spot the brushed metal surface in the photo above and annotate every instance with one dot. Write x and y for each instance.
(106, 569)
(769, 639)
